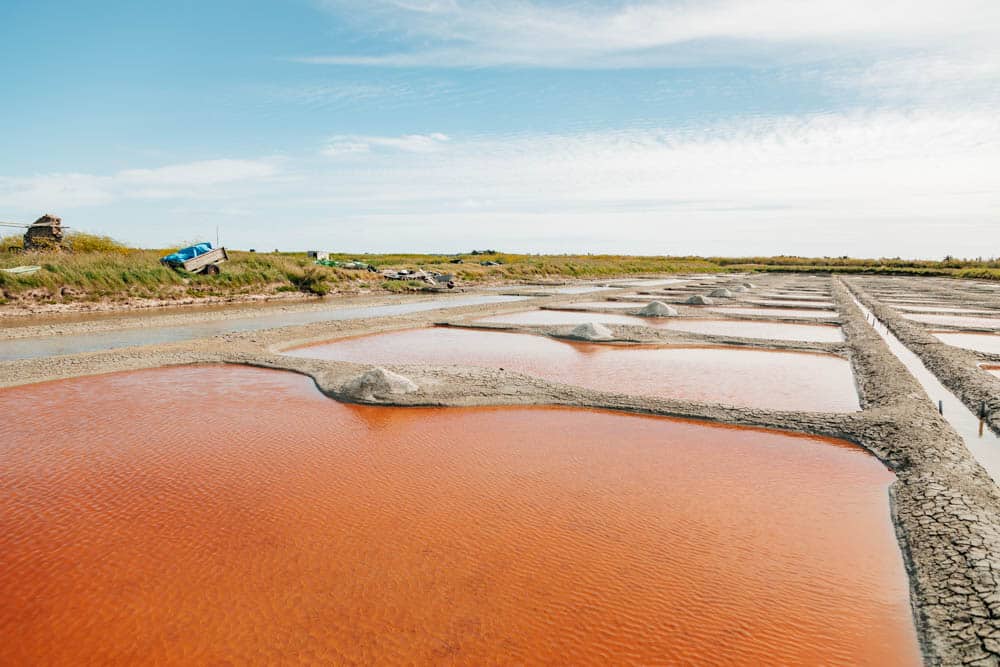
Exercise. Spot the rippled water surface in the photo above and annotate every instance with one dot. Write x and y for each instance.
(757, 329)
(222, 515)
(737, 376)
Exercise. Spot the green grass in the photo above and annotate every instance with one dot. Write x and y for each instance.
(101, 268)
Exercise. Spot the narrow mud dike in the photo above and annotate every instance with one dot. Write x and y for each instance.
(956, 368)
(945, 508)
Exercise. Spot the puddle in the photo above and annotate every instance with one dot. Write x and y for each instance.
(653, 283)
(557, 317)
(787, 303)
(981, 441)
(609, 304)
(736, 376)
(775, 312)
(30, 348)
(553, 289)
(993, 370)
(979, 342)
(957, 320)
(585, 289)
(755, 329)
(234, 515)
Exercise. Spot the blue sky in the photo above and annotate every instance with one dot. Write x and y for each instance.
(711, 127)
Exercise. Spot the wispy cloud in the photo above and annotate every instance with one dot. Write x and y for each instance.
(918, 183)
(464, 33)
(408, 143)
(192, 180)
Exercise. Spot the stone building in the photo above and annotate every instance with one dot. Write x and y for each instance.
(45, 233)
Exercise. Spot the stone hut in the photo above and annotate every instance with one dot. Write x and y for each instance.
(45, 233)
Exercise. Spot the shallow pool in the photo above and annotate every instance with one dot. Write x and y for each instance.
(737, 376)
(787, 303)
(633, 305)
(212, 515)
(946, 309)
(957, 320)
(980, 342)
(561, 317)
(47, 346)
(758, 329)
(775, 312)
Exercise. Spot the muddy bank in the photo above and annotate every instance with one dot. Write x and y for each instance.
(956, 368)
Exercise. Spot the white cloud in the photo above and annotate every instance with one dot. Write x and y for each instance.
(51, 191)
(197, 174)
(408, 143)
(464, 33)
(190, 180)
(921, 183)
(864, 184)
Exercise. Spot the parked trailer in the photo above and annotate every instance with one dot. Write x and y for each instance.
(205, 259)
(207, 263)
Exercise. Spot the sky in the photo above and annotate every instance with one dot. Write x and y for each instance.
(707, 127)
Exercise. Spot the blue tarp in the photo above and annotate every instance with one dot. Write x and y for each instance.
(184, 254)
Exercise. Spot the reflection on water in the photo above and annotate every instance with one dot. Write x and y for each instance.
(737, 376)
(235, 516)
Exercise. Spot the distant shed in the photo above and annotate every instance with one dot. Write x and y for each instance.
(45, 233)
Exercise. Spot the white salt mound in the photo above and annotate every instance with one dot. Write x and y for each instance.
(378, 383)
(592, 331)
(722, 292)
(699, 300)
(658, 309)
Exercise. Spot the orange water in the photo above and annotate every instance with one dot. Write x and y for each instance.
(222, 515)
(733, 375)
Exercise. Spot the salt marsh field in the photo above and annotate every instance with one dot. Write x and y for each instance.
(534, 479)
